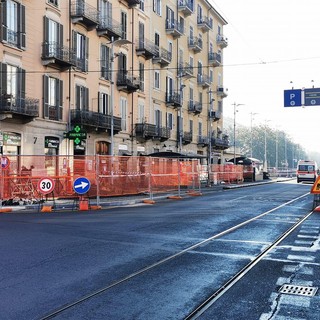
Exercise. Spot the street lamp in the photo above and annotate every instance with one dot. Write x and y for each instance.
(265, 146)
(114, 43)
(235, 105)
(251, 133)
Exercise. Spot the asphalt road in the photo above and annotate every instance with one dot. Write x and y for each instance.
(53, 260)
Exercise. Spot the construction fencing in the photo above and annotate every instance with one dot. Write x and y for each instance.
(22, 176)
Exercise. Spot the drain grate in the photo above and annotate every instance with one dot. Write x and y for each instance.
(298, 290)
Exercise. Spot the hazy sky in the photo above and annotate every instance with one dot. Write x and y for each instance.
(271, 44)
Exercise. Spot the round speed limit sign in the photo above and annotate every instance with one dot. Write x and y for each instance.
(46, 185)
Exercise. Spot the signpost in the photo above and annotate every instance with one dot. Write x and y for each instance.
(81, 186)
(292, 98)
(46, 185)
(302, 97)
(77, 135)
(312, 97)
(5, 162)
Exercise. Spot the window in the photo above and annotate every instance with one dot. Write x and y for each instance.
(105, 62)
(82, 98)
(141, 76)
(211, 75)
(157, 7)
(13, 29)
(170, 23)
(53, 38)
(200, 129)
(157, 39)
(123, 110)
(105, 8)
(170, 121)
(158, 118)
(81, 48)
(54, 2)
(141, 5)
(103, 103)
(170, 48)
(191, 126)
(140, 112)
(52, 96)
(157, 79)
(123, 25)
(191, 96)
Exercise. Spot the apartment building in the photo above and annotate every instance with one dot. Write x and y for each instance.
(129, 77)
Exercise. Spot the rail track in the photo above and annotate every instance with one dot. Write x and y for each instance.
(194, 314)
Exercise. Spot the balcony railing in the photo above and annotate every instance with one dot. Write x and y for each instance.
(163, 133)
(132, 3)
(214, 59)
(222, 92)
(195, 44)
(185, 70)
(84, 13)
(174, 99)
(24, 109)
(127, 82)
(204, 23)
(186, 7)
(186, 137)
(195, 107)
(175, 28)
(162, 56)
(57, 55)
(109, 28)
(215, 115)
(145, 131)
(146, 48)
(220, 143)
(222, 41)
(203, 141)
(203, 80)
(95, 120)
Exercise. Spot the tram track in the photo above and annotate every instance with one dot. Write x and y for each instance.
(206, 304)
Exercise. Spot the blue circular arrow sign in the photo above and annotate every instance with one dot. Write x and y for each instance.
(81, 185)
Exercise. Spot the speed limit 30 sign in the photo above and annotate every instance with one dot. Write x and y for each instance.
(46, 185)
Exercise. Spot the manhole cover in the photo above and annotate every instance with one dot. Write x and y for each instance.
(298, 290)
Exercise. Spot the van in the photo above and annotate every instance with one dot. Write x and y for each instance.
(307, 170)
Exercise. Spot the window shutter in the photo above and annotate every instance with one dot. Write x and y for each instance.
(22, 27)
(87, 53)
(78, 103)
(59, 104)
(86, 98)
(22, 83)
(3, 78)
(45, 96)
(99, 102)
(3, 21)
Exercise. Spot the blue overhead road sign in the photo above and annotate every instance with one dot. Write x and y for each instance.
(312, 97)
(81, 185)
(292, 98)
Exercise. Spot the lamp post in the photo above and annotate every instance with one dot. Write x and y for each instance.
(265, 146)
(114, 43)
(235, 105)
(251, 133)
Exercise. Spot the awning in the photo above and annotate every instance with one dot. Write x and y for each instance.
(168, 154)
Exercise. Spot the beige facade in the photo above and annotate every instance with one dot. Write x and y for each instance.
(111, 77)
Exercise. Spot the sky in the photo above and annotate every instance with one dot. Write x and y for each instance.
(273, 45)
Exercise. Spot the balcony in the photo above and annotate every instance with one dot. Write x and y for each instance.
(145, 131)
(94, 121)
(83, 13)
(173, 99)
(57, 56)
(195, 107)
(127, 82)
(185, 70)
(186, 7)
(195, 44)
(204, 23)
(132, 3)
(187, 137)
(203, 141)
(146, 48)
(109, 28)
(203, 80)
(162, 56)
(222, 92)
(214, 59)
(222, 42)
(175, 28)
(163, 133)
(220, 143)
(215, 115)
(18, 109)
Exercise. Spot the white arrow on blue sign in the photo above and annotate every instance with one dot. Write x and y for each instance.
(292, 98)
(81, 185)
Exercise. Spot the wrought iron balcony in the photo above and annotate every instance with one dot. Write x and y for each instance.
(82, 12)
(222, 41)
(195, 44)
(132, 3)
(127, 82)
(220, 143)
(162, 56)
(146, 48)
(175, 28)
(109, 28)
(204, 23)
(215, 115)
(214, 59)
(173, 99)
(195, 107)
(186, 137)
(163, 133)
(145, 131)
(18, 109)
(186, 7)
(203, 80)
(58, 56)
(185, 70)
(203, 141)
(95, 121)
(222, 92)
